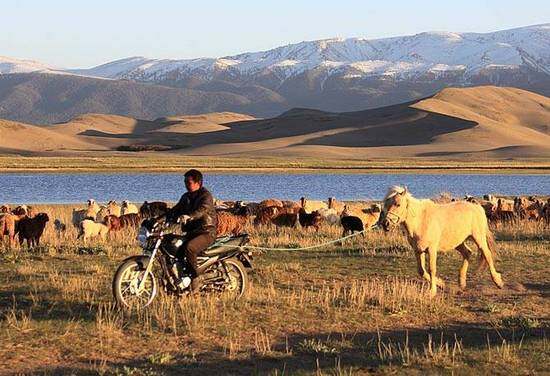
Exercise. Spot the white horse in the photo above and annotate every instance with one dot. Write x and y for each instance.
(432, 227)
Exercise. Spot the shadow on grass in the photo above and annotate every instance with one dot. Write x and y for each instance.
(330, 351)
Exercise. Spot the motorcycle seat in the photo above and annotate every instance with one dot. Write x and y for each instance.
(226, 241)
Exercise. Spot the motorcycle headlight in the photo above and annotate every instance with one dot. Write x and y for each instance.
(142, 237)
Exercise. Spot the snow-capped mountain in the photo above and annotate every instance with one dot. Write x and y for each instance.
(10, 65)
(332, 75)
(422, 55)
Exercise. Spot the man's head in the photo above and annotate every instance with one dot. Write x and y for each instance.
(193, 180)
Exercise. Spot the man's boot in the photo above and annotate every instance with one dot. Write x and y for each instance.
(196, 284)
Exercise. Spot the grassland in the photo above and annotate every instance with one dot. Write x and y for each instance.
(153, 162)
(353, 309)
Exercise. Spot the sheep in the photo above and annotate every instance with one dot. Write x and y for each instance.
(31, 229)
(8, 226)
(285, 219)
(333, 204)
(291, 206)
(23, 210)
(230, 224)
(153, 209)
(59, 226)
(124, 221)
(310, 206)
(369, 216)
(80, 215)
(114, 208)
(504, 212)
(312, 219)
(264, 215)
(330, 216)
(279, 216)
(93, 206)
(528, 208)
(351, 224)
(102, 213)
(89, 228)
(130, 220)
(271, 202)
(5, 209)
(128, 208)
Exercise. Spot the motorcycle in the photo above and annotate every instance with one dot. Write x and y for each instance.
(223, 267)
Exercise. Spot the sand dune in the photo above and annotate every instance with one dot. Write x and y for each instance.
(481, 122)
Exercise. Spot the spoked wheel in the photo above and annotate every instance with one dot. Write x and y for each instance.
(238, 278)
(126, 286)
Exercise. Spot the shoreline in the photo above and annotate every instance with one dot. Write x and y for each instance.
(176, 165)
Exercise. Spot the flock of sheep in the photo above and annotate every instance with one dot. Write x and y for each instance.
(97, 220)
(501, 209)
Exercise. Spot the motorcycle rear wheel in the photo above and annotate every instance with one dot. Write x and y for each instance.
(238, 278)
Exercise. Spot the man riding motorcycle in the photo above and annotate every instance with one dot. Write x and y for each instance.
(196, 212)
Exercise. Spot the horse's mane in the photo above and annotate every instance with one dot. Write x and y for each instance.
(395, 190)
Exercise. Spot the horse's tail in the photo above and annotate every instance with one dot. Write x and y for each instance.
(492, 247)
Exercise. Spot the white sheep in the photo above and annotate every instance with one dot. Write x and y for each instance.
(89, 228)
(128, 208)
(330, 216)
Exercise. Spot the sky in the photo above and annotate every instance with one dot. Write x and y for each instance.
(80, 34)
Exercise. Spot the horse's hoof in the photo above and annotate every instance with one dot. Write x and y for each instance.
(498, 281)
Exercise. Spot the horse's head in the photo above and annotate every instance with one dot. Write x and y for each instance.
(395, 206)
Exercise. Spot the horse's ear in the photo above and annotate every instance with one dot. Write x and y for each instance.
(405, 191)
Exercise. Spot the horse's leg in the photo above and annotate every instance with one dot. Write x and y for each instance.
(466, 252)
(432, 252)
(421, 261)
(481, 242)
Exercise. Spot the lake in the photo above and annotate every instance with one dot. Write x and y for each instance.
(70, 188)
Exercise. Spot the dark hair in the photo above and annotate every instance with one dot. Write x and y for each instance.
(196, 175)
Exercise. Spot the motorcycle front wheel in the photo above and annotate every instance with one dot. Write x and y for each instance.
(126, 289)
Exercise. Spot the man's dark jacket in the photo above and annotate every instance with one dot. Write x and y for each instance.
(199, 205)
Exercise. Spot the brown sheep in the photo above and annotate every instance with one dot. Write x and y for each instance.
(271, 202)
(112, 222)
(372, 215)
(124, 221)
(9, 226)
(230, 224)
(265, 215)
(31, 229)
(285, 219)
(130, 220)
(312, 219)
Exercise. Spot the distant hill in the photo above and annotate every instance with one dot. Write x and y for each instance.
(480, 122)
(51, 98)
(335, 75)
